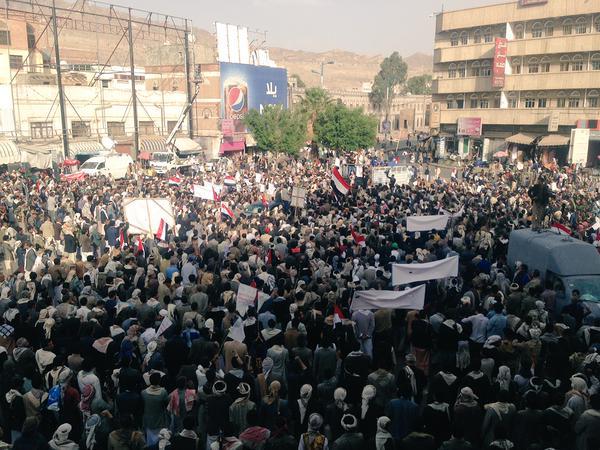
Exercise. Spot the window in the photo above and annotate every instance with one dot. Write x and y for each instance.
(542, 102)
(450, 104)
(454, 39)
(545, 65)
(577, 65)
(464, 38)
(105, 83)
(477, 36)
(529, 102)
(533, 65)
(549, 29)
(452, 71)
(475, 69)
(519, 31)
(486, 69)
(537, 30)
(80, 129)
(30, 37)
(146, 127)
(561, 100)
(4, 37)
(41, 130)
(460, 102)
(116, 128)
(596, 61)
(516, 66)
(592, 100)
(574, 99)
(567, 26)
(171, 124)
(597, 24)
(487, 35)
(474, 101)
(462, 70)
(564, 63)
(581, 26)
(15, 61)
(512, 101)
(484, 102)
(497, 101)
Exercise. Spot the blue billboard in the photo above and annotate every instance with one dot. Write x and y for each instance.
(245, 87)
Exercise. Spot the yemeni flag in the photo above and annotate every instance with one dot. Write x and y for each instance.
(229, 180)
(216, 197)
(161, 233)
(338, 183)
(175, 180)
(359, 239)
(227, 211)
(561, 229)
(338, 314)
(140, 247)
(121, 238)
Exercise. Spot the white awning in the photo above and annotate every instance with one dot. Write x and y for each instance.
(554, 140)
(85, 148)
(186, 145)
(9, 153)
(152, 144)
(38, 156)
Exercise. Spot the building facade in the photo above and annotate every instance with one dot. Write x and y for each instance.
(517, 76)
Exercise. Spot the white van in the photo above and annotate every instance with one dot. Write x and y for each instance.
(114, 164)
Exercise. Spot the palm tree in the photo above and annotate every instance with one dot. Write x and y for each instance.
(315, 101)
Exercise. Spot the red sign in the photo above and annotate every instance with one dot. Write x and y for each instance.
(469, 126)
(227, 127)
(532, 2)
(499, 62)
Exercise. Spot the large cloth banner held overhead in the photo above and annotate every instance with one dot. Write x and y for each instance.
(412, 298)
(411, 273)
(426, 223)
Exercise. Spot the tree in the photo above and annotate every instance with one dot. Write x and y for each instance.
(392, 73)
(277, 129)
(299, 82)
(342, 128)
(315, 101)
(419, 85)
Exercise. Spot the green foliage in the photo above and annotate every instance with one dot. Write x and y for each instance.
(419, 85)
(315, 101)
(342, 128)
(392, 73)
(277, 129)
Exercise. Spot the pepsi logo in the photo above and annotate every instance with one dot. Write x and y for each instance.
(236, 99)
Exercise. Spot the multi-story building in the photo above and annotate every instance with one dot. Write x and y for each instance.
(518, 77)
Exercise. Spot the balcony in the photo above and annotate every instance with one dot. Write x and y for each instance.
(461, 85)
(572, 43)
(552, 81)
(520, 116)
(464, 53)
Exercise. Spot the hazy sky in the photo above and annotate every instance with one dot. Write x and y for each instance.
(363, 26)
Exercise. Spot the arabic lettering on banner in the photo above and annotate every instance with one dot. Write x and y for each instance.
(499, 67)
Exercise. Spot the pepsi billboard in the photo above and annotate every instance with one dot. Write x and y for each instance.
(245, 87)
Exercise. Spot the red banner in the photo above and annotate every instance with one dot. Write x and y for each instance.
(469, 126)
(499, 62)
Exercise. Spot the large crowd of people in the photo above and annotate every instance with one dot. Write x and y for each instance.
(110, 340)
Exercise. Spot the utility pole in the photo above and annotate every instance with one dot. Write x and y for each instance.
(136, 134)
(321, 73)
(61, 93)
(188, 85)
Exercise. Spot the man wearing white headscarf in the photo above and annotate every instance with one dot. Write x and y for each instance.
(60, 439)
